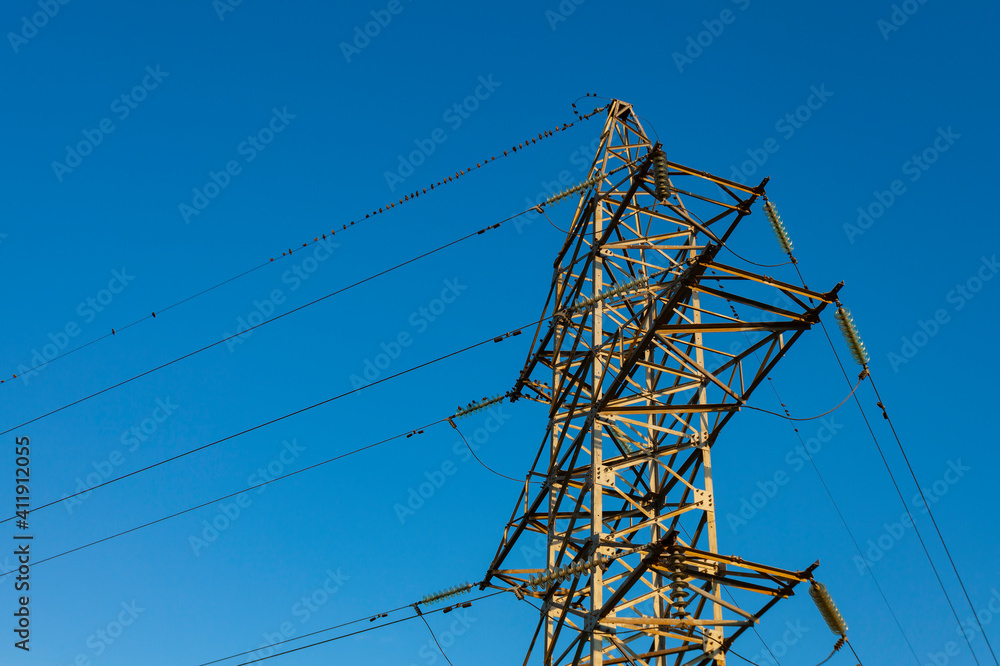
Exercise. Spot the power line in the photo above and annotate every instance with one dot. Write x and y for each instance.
(847, 528)
(426, 624)
(225, 497)
(472, 451)
(265, 322)
(314, 633)
(406, 434)
(152, 315)
(353, 633)
(933, 521)
(826, 488)
(789, 417)
(301, 307)
(892, 477)
(895, 485)
(737, 654)
(289, 252)
(494, 339)
(899, 493)
(860, 663)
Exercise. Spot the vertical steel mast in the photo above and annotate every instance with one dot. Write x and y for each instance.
(652, 345)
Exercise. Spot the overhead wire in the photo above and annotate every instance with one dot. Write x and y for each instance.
(541, 209)
(217, 499)
(406, 434)
(329, 640)
(426, 624)
(788, 417)
(342, 636)
(494, 339)
(832, 652)
(370, 618)
(860, 663)
(293, 310)
(288, 253)
(152, 315)
(479, 460)
(753, 263)
(867, 373)
(931, 515)
(899, 493)
(266, 322)
(785, 242)
(827, 490)
(734, 252)
(737, 654)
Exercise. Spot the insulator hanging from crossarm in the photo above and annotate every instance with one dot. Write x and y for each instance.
(778, 226)
(638, 283)
(851, 336)
(479, 406)
(550, 576)
(447, 594)
(824, 602)
(559, 196)
(661, 183)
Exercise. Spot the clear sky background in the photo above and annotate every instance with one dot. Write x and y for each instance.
(287, 119)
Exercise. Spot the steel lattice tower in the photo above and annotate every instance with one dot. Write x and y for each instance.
(652, 347)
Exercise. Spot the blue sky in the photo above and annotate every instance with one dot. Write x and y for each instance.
(154, 150)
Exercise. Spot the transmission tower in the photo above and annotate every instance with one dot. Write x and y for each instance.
(652, 347)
